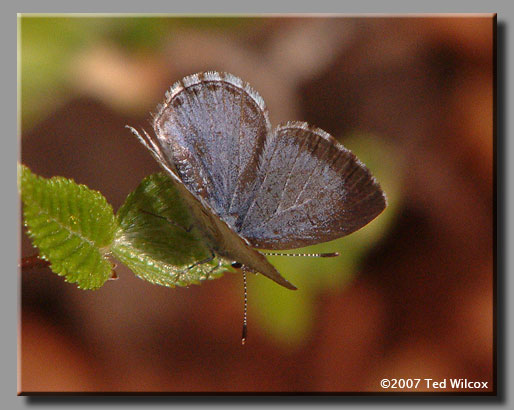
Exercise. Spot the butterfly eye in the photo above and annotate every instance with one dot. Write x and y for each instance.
(236, 265)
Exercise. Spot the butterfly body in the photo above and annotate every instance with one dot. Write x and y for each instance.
(249, 186)
(225, 242)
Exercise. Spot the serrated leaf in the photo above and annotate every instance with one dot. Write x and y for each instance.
(156, 238)
(71, 225)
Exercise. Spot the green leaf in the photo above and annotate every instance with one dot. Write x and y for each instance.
(156, 239)
(72, 226)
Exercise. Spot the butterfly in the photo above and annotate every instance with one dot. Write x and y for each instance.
(249, 186)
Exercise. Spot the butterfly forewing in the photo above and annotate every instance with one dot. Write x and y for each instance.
(213, 128)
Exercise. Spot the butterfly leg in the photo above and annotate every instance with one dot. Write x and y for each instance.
(213, 269)
(206, 260)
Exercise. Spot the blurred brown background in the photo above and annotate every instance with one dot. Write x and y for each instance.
(412, 294)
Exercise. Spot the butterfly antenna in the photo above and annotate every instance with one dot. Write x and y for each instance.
(245, 328)
(141, 139)
(147, 141)
(309, 255)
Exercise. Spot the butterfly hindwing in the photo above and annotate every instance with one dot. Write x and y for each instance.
(311, 190)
